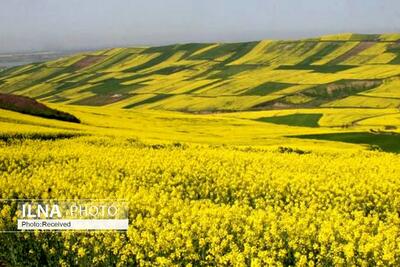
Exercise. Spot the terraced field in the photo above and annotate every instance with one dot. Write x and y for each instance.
(270, 153)
(346, 70)
(347, 82)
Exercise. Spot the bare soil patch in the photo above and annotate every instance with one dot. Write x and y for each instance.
(88, 61)
(352, 52)
(30, 106)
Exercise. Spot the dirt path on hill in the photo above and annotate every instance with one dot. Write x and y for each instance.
(352, 52)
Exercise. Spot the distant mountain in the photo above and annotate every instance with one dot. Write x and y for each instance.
(346, 70)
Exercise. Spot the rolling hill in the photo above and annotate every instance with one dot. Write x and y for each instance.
(339, 71)
(27, 105)
(338, 88)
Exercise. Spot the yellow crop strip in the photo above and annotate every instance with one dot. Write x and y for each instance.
(336, 53)
(383, 120)
(38, 89)
(65, 61)
(390, 36)
(371, 72)
(133, 61)
(376, 54)
(207, 48)
(253, 55)
(337, 37)
(389, 88)
(364, 101)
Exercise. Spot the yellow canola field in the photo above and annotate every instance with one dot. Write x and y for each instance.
(201, 205)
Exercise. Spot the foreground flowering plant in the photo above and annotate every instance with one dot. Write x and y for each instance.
(199, 205)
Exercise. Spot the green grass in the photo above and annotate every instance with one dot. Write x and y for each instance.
(202, 87)
(166, 52)
(267, 88)
(57, 99)
(238, 50)
(226, 71)
(317, 68)
(110, 61)
(64, 86)
(302, 120)
(365, 37)
(38, 75)
(101, 100)
(321, 94)
(242, 50)
(33, 69)
(191, 48)
(389, 142)
(153, 62)
(395, 48)
(149, 100)
(170, 70)
(188, 49)
(340, 89)
(328, 48)
(112, 86)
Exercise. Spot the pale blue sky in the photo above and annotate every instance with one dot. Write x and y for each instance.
(74, 24)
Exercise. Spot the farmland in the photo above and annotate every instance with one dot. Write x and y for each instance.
(267, 153)
(327, 71)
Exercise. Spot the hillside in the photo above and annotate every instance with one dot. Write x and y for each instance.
(305, 169)
(27, 105)
(347, 70)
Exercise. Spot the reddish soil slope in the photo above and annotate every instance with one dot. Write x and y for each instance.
(30, 106)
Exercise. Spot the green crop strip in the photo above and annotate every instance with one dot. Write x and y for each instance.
(149, 100)
(302, 120)
(267, 88)
(389, 142)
